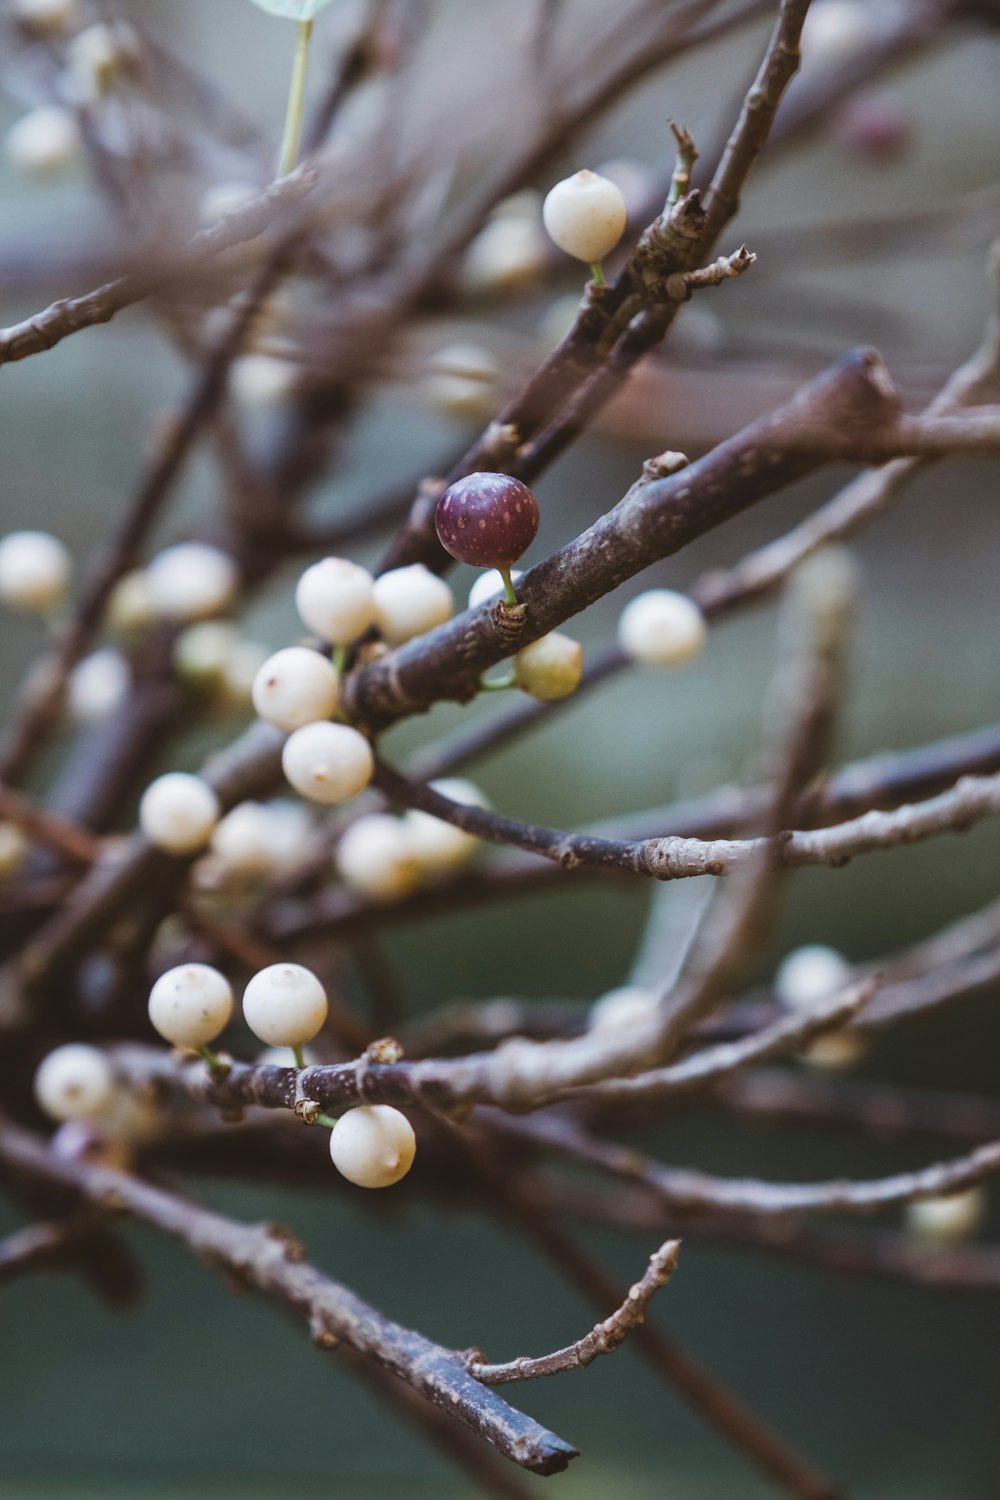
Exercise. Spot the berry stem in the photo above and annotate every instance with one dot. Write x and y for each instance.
(299, 1055)
(340, 659)
(509, 592)
(597, 273)
(214, 1061)
(497, 684)
(328, 1120)
(296, 99)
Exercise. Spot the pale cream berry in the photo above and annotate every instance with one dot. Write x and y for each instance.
(375, 858)
(98, 685)
(35, 571)
(809, 975)
(440, 847)
(509, 252)
(190, 1005)
(490, 585)
(947, 1220)
(294, 687)
(836, 1051)
(191, 580)
(835, 30)
(622, 1009)
(550, 667)
(224, 198)
(327, 763)
(46, 15)
(13, 850)
(585, 215)
(336, 599)
(75, 1082)
(202, 653)
(460, 380)
(130, 608)
(178, 812)
(661, 628)
(409, 602)
(44, 142)
(259, 381)
(258, 839)
(285, 1005)
(373, 1146)
(97, 56)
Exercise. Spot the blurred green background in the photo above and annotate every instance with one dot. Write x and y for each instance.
(201, 1394)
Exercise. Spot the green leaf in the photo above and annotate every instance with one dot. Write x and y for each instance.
(292, 10)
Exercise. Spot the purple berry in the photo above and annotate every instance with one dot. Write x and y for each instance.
(487, 520)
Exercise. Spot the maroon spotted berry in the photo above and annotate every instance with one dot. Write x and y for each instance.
(487, 520)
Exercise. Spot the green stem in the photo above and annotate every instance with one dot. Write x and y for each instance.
(296, 100)
(214, 1062)
(497, 684)
(509, 592)
(341, 655)
(328, 1120)
(300, 1057)
(597, 273)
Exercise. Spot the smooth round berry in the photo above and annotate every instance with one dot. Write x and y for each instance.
(835, 30)
(44, 142)
(487, 520)
(285, 1005)
(46, 15)
(35, 570)
(810, 974)
(622, 1009)
(130, 608)
(373, 1146)
(409, 602)
(259, 381)
(259, 839)
(190, 1005)
(295, 687)
(437, 846)
(98, 685)
(75, 1082)
(661, 628)
(835, 1052)
(375, 858)
(13, 850)
(191, 580)
(508, 252)
(550, 667)
(336, 599)
(178, 812)
(585, 215)
(490, 586)
(327, 763)
(202, 651)
(947, 1220)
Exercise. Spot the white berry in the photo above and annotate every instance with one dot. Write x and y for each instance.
(178, 812)
(327, 763)
(259, 381)
(810, 974)
(947, 1220)
(35, 570)
(550, 667)
(336, 599)
(75, 1082)
(437, 846)
(258, 839)
(202, 653)
(285, 1005)
(46, 15)
(507, 253)
(490, 585)
(585, 215)
(44, 142)
(130, 608)
(622, 1009)
(96, 56)
(13, 850)
(373, 1146)
(835, 30)
(661, 628)
(191, 580)
(295, 687)
(375, 858)
(98, 685)
(409, 602)
(190, 1005)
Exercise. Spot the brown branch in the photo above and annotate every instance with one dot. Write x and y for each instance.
(271, 1262)
(47, 828)
(604, 1338)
